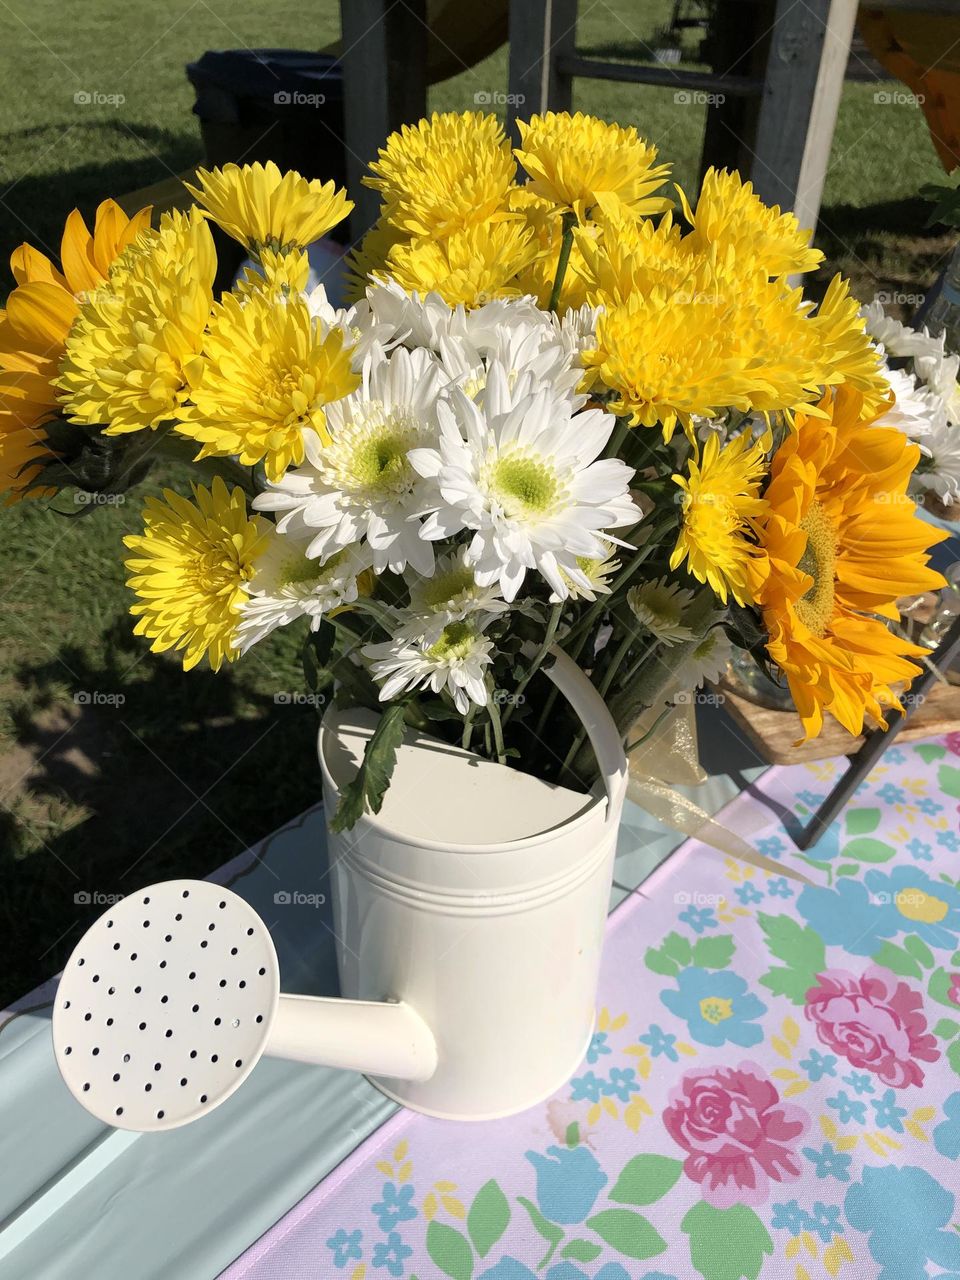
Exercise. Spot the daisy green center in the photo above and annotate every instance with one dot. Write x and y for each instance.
(526, 486)
(440, 590)
(456, 642)
(815, 607)
(369, 457)
(299, 572)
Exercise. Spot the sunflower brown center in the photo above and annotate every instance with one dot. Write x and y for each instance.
(819, 560)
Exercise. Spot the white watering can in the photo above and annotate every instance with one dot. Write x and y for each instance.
(468, 969)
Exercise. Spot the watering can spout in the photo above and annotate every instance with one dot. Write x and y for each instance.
(379, 1038)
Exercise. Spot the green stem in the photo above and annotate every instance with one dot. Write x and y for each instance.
(493, 711)
(638, 742)
(566, 244)
(468, 727)
(552, 623)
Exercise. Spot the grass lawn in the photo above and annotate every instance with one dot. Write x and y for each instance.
(117, 769)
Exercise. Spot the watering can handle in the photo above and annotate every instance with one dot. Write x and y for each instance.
(599, 724)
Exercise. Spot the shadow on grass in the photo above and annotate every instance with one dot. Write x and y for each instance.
(34, 207)
(139, 773)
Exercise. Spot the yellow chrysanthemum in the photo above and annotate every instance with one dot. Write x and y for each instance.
(470, 267)
(190, 569)
(130, 349)
(622, 258)
(262, 207)
(720, 505)
(265, 376)
(443, 174)
(545, 221)
(730, 215)
(582, 163)
(843, 542)
(278, 273)
(34, 328)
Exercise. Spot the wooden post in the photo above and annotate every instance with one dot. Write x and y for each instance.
(540, 31)
(384, 86)
(801, 95)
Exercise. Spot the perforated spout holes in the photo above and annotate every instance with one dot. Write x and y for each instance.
(165, 1006)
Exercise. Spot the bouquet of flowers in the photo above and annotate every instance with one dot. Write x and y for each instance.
(560, 408)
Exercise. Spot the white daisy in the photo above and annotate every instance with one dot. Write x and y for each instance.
(361, 485)
(577, 330)
(939, 470)
(455, 660)
(408, 318)
(529, 350)
(361, 332)
(707, 662)
(452, 594)
(522, 473)
(659, 606)
(286, 585)
(597, 574)
(939, 371)
(899, 339)
(917, 409)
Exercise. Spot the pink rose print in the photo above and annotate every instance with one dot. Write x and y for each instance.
(737, 1131)
(953, 743)
(953, 995)
(874, 1021)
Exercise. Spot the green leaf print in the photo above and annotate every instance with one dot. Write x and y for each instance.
(865, 850)
(550, 1232)
(953, 1056)
(581, 1250)
(488, 1218)
(898, 961)
(801, 948)
(726, 1244)
(929, 751)
(920, 951)
(949, 779)
(946, 1028)
(645, 1178)
(713, 953)
(939, 987)
(673, 954)
(450, 1251)
(628, 1232)
(860, 822)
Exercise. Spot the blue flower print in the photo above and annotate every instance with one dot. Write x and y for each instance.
(946, 1136)
(848, 1108)
(903, 1242)
(508, 1269)
(770, 846)
(859, 1082)
(928, 806)
(919, 851)
(778, 888)
(748, 893)
(717, 1007)
(829, 1163)
(345, 1247)
(949, 840)
(394, 1207)
(586, 1088)
(698, 918)
(893, 755)
(891, 794)
(566, 1271)
(846, 916)
(888, 1114)
(391, 1254)
(660, 1041)
(598, 1047)
(790, 1217)
(622, 1084)
(811, 799)
(568, 1182)
(916, 904)
(825, 1221)
(817, 1065)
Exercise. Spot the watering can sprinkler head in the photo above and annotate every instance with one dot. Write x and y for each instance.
(172, 997)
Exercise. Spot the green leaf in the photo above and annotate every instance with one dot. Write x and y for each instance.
(799, 946)
(792, 983)
(865, 850)
(848, 869)
(860, 822)
(726, 1244)
(646, 1178)
(920, 951)
(929, 751)
(953, 1056)
(573, 1133)
(949, 779)
(628, 1232)
(677, 947)
(376, 769)
(939, 987)
(713, 952)
(656, 961)
(898, 961)
(946, 1028)
(450, 1251)
(488, 1217)
(581, 1250)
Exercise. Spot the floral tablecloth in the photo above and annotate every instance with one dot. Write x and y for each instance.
(773, 1088)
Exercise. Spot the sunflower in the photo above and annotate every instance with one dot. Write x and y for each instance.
(34, 328)
(584, 165)
(443, 174)
(265, 375)
(129, 351)
(843, 542)
(264, 208)
(731, 216)
(720, 506)
(190, 571)
(469, 267)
